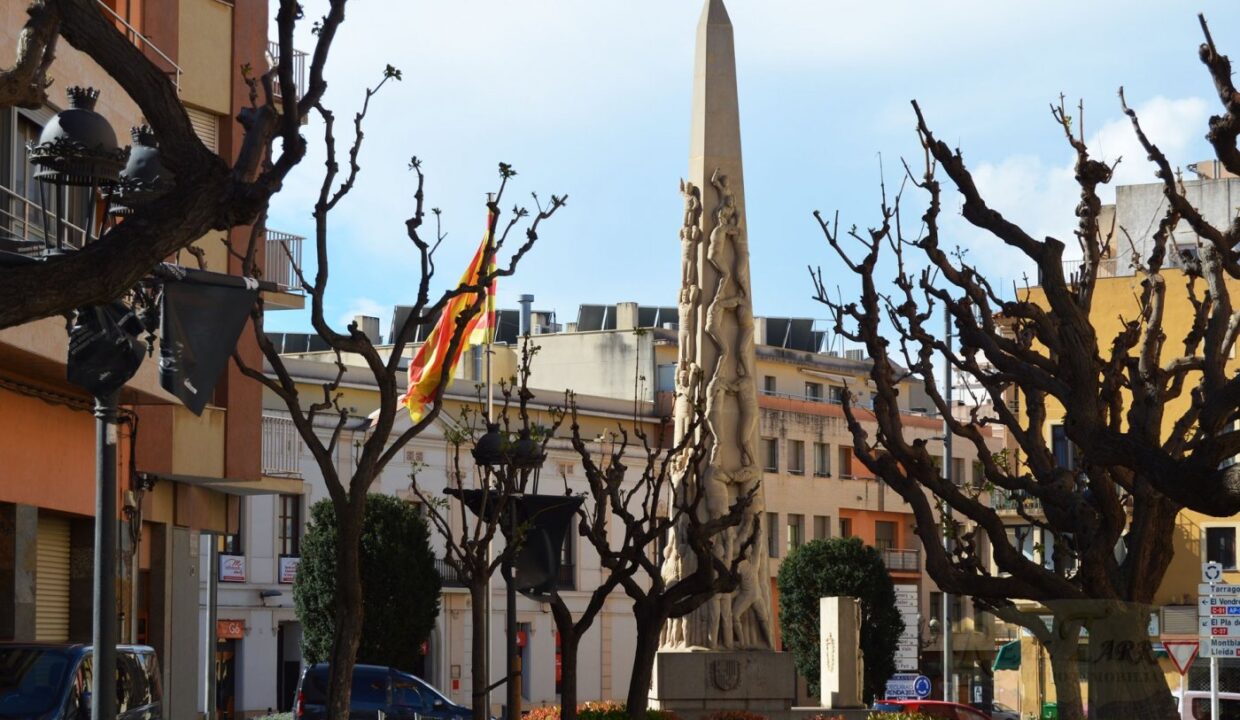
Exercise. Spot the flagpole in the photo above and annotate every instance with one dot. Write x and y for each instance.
(486, 349)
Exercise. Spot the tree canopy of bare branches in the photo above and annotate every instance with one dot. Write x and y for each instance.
(1148, 412)
(208, 193)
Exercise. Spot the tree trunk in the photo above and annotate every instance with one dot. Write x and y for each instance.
(478, 648)
(649, 626)
(1125, 680)
(568, 675)
(1064, 650)
(349, 611)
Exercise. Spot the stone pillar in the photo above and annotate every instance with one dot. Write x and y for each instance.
(840, 664)
(18, 555)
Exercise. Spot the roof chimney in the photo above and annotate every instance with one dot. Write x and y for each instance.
(626, 316)
(369, 327)
(527, 302)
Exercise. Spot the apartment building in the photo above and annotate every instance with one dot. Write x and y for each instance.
(181, 476)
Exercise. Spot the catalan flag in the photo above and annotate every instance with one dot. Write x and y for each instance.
(431, 360)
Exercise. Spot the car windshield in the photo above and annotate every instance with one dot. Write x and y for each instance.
(369, 686)
(1227, 709)
(31, 680)
(430, 691)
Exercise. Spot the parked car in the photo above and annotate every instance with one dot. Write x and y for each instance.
(1195, 705)
(932, 708)
(999, 711)
(54, 681)
(375, 688)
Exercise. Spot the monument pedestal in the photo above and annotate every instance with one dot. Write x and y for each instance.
(693, 683)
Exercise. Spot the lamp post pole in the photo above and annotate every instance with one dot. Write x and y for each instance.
(103, 636)
(514, 662)
(947, 465)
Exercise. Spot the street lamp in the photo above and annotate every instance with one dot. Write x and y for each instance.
(78, 149)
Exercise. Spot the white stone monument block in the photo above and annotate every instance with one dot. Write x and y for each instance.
(840, 664)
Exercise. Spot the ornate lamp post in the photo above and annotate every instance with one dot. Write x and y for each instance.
(78, 149)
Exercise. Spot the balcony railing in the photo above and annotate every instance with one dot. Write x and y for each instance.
(1007, 501)
(21, 226)
(448, 574)
(139, 40)
(281, 447)
(299, 68)
(904, 560)
(283, 257)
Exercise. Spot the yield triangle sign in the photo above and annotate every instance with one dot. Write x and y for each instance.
(1182, 653)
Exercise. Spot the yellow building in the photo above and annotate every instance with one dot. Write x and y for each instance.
(1197, 538)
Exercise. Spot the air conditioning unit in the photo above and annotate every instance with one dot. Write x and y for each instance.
(545, 329)
(413, 457)
(854, 354)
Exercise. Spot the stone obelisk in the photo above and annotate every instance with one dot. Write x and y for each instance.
(716, 370)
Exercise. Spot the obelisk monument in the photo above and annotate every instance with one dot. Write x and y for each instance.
(721, 655)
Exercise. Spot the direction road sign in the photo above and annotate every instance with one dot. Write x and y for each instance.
(921, 686)
(1212, 605)
(1218, 589)
(1211, 572)
(1220, 647)
(1219, 626)
(1182, 653)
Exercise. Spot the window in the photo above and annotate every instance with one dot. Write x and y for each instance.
(230, 542)
(958, 471)
(846, 527)
(772, 534)
(568, 575)
(979, 474)
(796, 531)
(796, 457)
(836, 394)
(822, 459)
(1062, 447)
(770, 454)
(884, 535)
(813, 391)
(768, 384)
(1221, 546)
(290, 525)
(822, 527)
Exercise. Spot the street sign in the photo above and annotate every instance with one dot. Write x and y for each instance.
(1218, 589)
(1182, 653)
(1220, 647)
(1218, 605)
(1211, 572)
(908, 686)
(1219, 626)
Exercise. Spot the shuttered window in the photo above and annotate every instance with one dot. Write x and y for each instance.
(52, 580)
(207, 125)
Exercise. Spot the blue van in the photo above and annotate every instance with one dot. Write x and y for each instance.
(375, 688)
(54, 681)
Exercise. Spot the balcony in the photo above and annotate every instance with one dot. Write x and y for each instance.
(22, 226)
(902, 560)
(448, 574)
(1008, 502)
(281, 447)
(142, 42)
(299, 68)
(283, 257)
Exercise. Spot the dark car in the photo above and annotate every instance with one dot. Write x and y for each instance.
(54, 681)
(397, 694)
(931, 708)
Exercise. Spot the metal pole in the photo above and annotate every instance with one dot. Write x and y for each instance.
(103, 635)
(514, 662)
(486, 628)
(1213, 687)
(948, 695)
(208, 658)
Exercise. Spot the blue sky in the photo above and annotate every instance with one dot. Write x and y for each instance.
(592, 99)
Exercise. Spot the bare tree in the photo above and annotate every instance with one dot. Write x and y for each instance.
(348, 495)
(207, 194)
(1150, 420)
(468, 541)
(650, 509)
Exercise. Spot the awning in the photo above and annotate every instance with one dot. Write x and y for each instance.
(1008, 657)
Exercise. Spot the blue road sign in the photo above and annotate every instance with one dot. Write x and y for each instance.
(921, 686)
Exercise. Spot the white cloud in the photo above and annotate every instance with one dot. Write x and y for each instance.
(1041, 195)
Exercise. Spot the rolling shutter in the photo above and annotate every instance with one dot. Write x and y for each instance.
(52, 580)
(207, 125)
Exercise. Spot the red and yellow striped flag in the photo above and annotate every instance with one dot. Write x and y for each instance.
(431, 360)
